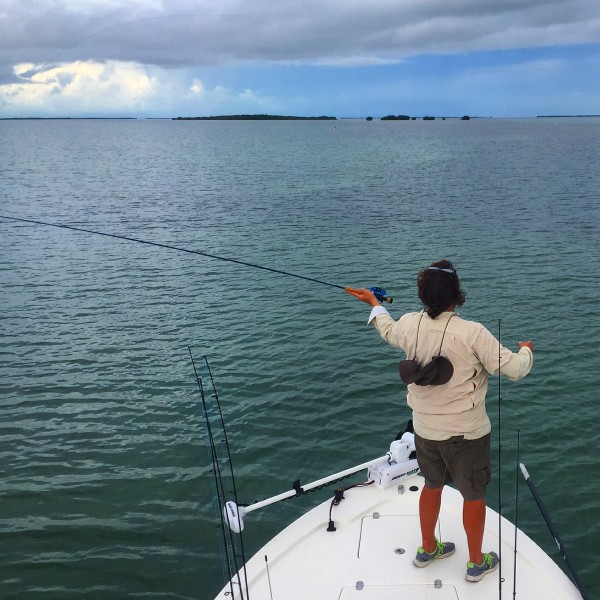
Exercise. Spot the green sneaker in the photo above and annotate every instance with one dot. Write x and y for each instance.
(477, 572)
(442, 550)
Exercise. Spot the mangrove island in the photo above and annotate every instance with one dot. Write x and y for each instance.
(254, 118)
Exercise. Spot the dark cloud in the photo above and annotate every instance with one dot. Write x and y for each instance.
(7, 76)
(194, 33)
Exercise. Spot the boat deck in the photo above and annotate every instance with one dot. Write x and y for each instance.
(369, 556)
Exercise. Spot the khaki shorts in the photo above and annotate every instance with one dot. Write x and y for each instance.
(464, 462)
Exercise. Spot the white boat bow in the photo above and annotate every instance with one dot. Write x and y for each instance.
(369, 555)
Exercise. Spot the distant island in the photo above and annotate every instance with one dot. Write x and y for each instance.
(254, 118)
(426, 118)
(565, 116)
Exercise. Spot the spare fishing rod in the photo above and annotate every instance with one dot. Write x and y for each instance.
(380, 293)
(561, 547)
(516, 513)
(222, 467)
(500, 578)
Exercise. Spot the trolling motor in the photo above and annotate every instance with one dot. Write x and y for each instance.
(381, 295)
(400, 462)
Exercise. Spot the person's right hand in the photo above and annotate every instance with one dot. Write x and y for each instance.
(364, 295)
(529, 345)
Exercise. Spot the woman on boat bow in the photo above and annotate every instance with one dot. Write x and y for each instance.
(448, 364)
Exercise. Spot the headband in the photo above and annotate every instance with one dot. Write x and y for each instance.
(439, 269)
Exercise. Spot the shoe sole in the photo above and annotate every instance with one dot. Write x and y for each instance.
(426, 563)
(476, 578)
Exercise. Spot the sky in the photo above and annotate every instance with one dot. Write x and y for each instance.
(342, 58)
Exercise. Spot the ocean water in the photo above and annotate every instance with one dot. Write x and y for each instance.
(105, 488)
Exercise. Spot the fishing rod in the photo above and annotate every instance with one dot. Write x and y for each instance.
(500, 579)
(380, 293)
(557, 539)
(516, 513)
(222, 466)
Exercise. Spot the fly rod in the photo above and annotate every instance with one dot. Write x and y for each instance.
(559, 543)
(380, 294)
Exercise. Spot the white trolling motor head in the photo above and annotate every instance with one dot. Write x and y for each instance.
(398, 465)
(234, 516)
(400, 450)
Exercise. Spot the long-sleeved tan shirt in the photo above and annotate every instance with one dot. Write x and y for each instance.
(457, 407)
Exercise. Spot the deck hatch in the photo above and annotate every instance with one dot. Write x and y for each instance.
(377, 543)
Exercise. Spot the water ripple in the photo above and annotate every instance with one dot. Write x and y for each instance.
(106, 485)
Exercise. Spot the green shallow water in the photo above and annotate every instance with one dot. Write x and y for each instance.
(106, 488)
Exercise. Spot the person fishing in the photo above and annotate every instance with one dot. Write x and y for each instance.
(448, 364)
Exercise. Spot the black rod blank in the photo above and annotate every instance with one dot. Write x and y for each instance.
(170, 247)
(559, 543)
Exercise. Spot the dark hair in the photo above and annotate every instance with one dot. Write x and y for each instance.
(439, 289)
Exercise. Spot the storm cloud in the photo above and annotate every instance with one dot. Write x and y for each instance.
(327, 32)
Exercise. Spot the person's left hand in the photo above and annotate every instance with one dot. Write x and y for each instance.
(364, 295)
